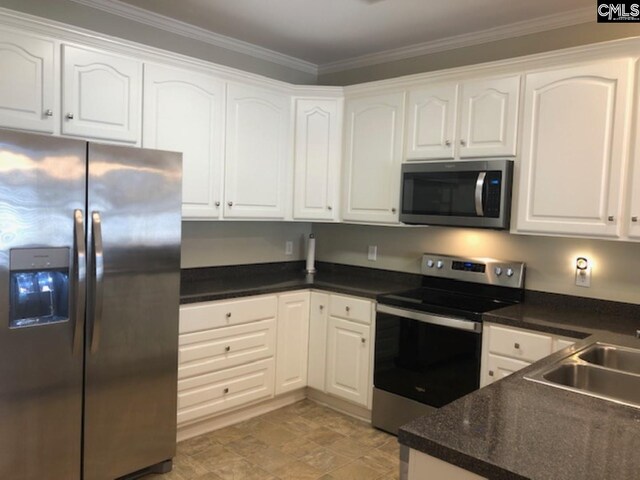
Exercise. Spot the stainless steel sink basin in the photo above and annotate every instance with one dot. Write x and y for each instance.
(614, 357)
(600, 370)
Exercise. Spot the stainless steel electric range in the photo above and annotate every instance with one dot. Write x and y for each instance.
(428, 340)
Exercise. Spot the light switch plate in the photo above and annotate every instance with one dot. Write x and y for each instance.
(373, 253)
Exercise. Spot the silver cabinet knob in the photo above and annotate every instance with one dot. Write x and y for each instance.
(226, 390)
(48, 113)
(229, 315)
(393, 210)
(217, 204)
(634, 219)
(463, 143)
(69, 116)
(347, 309)
(491, 373)
(363, 340)
(611, 218)
(447, 143)
(329, 208)
(321, 307)
(516, 346)
(230, 204)
(227, 348)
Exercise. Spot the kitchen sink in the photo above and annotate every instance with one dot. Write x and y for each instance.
(614, 357)
(600, 370)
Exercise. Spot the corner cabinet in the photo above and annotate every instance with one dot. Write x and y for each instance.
(483, 123)
(372, 157)
(575, 146)
(258, 153)
(184, 112)
(293, 339)
(101, 95)
(28, 94)
(318, 141)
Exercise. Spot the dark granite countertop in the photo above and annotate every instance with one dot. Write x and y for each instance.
(217, 283)
(518, 429)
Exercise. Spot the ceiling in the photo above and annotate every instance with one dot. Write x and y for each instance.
(323, 32)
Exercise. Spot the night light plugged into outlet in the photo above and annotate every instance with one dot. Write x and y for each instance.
(583, 272)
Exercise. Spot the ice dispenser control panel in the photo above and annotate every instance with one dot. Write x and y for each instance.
(39, 286)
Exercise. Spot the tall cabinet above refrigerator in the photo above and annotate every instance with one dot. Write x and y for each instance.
(89, 298)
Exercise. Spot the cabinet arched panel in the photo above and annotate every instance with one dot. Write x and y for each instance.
(431, 122)
(101, 96)
(574, 148)
(27, 83)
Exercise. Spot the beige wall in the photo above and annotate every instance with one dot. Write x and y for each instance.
(82, 16)
(513, 47)
(206, 244)
(550, 261)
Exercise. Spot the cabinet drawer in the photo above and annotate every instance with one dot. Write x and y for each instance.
(519, 344)
(206, 395)
(350, 308)
(212, 350)
(499, 367)
(207, 315)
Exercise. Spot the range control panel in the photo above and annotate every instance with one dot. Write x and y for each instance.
(480, 270)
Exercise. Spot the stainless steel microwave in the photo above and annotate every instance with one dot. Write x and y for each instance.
(457, 193)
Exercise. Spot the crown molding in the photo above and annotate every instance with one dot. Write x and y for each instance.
(177, 27)
(517, 29)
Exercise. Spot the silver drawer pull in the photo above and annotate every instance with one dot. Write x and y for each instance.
(516, 346)
(634, 219)
(229, 315)
(226, 390)
(491, 373)
(227, 348)
(611, 218)
(69, 116)
(347, 309)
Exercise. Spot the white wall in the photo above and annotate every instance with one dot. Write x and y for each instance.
(206, 244)
(550, 261)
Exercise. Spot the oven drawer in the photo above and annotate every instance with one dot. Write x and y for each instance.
(519, 344)
(350, 308)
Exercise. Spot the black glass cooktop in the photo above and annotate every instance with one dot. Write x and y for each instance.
(444, 302)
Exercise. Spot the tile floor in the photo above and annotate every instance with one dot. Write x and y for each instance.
(304, 441)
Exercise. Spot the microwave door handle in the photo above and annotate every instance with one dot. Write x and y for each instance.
(479, 189)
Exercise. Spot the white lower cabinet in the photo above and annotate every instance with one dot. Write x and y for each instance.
(293, 340)
(426, 467)
(506, 350)
(318, 318)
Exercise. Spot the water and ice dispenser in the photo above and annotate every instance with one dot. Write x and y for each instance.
(39, 286)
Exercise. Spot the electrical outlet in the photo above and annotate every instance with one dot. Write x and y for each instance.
(583, 275)
(288, 247)
(372, 253)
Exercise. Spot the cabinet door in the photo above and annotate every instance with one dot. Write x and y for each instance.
(633, 218)
(318, 341)
(575, 140)
(184, 112)
(293, 340)
(27, 83)
(258, 157)
(317, 159)
(431, 116)
(499, 367)
(489, 117)
(348, 360)
(100, 95)
(373, 154)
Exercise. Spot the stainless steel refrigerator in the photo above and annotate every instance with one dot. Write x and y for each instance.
(89, 298)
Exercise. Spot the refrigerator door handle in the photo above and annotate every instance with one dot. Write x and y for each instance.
(80, 271)
(98, 278)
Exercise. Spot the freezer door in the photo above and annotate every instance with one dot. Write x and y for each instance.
(134, 222)
(42, 200)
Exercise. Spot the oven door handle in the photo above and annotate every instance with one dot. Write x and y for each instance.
(482, 176)
(467, 325)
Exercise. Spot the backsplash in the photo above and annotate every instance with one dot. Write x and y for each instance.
(550, 260)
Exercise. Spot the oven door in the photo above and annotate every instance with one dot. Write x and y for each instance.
(431, 359)
(465, 194)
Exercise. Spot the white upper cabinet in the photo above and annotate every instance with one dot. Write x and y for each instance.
(575, 144)
(27, 83)
(489, 117)
(318, 137)
(258, 153)
(483, 123)
(372, 158)
(633, 218)
(101, 95)
(184, 112)
(431, 116)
